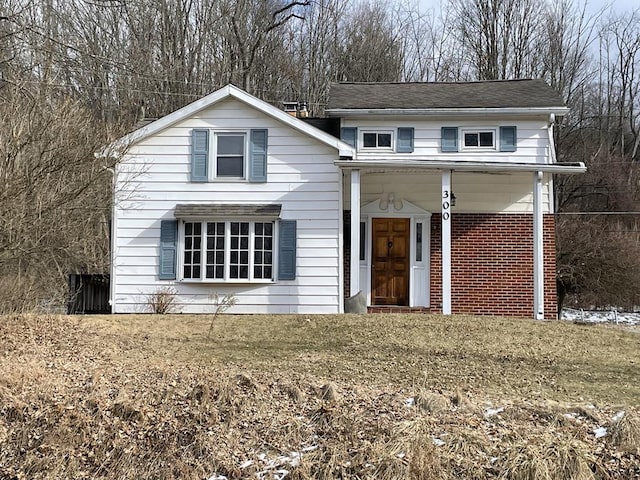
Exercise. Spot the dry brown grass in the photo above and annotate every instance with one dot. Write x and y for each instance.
(151, 397)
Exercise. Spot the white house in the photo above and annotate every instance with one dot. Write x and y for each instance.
(444, 190)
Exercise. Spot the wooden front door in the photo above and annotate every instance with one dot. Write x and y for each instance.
(390, 261)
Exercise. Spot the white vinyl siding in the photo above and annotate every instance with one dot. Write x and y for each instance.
(532, 139)
(302, 178)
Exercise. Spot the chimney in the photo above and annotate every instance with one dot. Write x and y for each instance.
(291, 108)
(302, 110)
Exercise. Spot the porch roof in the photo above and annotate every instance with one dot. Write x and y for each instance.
(208, 210)
(464, 166)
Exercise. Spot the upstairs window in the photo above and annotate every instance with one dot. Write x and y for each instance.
(377, 140)
(480, 139)
(235, 155)
(230, 155)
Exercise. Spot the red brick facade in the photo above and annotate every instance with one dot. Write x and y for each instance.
(491, 264)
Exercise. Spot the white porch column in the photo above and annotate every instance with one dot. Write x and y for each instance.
(446, 242)
(354, 285)
(538, 248)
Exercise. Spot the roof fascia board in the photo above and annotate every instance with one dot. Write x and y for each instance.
(446, 112)
(578, 167)
(232, 91)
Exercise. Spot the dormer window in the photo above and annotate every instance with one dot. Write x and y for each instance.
(381, 140)
(480, 139)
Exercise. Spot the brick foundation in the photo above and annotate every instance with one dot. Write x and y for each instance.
(492, 264)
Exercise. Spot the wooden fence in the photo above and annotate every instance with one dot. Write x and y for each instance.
(88, 294)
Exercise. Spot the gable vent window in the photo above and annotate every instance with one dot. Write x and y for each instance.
(379, 140)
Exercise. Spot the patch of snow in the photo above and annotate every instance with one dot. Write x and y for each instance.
(218, 477)
(409, 402)
(246, 464)
(401, 455)
(310, 448)
(437, 442)
(617, 417)
(599, 432)
(490, 412)
(601, 316)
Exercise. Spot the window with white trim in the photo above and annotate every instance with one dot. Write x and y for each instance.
(228, 250)
(380, 140)
(230, 154)
(478, 139)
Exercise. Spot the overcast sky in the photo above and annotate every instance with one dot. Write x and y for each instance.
(593, 6)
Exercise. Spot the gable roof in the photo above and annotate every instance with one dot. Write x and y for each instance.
(230, 91)
(515, 95)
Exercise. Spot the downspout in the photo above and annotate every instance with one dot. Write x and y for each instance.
(114, 225)
(553, 158)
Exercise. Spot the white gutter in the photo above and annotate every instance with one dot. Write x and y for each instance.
(464, 112)
(464, 166)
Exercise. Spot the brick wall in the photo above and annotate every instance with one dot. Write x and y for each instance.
(346, 252)
(492, 264)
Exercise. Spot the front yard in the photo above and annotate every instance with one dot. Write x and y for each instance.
(373, 396)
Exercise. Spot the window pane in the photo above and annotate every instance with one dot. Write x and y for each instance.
(470, 139)
(230, 167)
(486, 139)
(262, 255)
(230, 145)
(192, 241)
(363, 231)
(369, 139)
(418, 242)
(215, 250)
(384, 140)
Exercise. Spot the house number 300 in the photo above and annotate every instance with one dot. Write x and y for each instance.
(445, 205)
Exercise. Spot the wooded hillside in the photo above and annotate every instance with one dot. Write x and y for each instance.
(76, 73)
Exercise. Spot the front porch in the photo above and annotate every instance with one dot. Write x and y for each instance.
(493, 253)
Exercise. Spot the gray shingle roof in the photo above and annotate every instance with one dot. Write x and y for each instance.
(206, 210)
(487, 94)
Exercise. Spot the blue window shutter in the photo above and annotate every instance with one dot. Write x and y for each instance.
(287, 250)
(199, 155)
(349, 135)
(449, 139)
(404, 142)
(508, 139)
(258, 156)
(168, 238)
